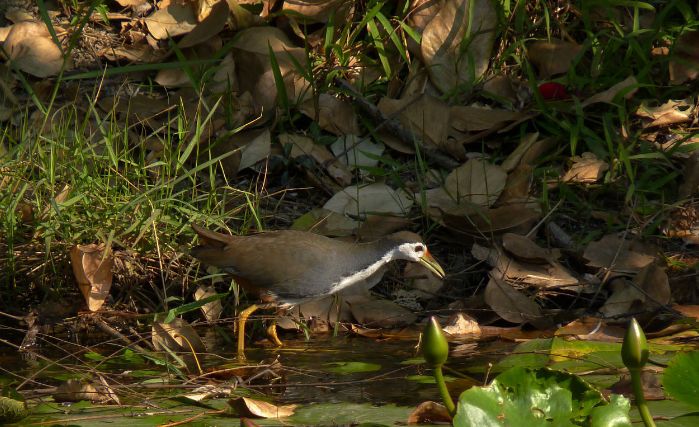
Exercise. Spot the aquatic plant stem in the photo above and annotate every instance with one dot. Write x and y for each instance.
(640, 398)
(443, 391)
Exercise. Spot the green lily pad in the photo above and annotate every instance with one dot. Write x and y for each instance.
(345, 368)
(681, 378)
(540, 397)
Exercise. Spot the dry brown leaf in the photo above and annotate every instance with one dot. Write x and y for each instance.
(380, 313)
(325, 222)
(510, 304)
(248, 407)
(429, 413)
(177, 335)
(622, 256)
(473, 119)
(684, 62)
(515, 157)
(131, 3)
(356, 201)
(334, 115)
(502, 88)
(31, 49)
(629, 87)
(211, 310)
(76, 390)
(447, 63)
(355, 152)
(174, 20)
(550, 275)
(304, 146)
(254, 71)
(586, 168)
(422, 279)
(655, 284)
(92, 266)
(552, 57)
(670, 113)
(318, 10)
(462, 324)
(479, 222)
(524, 249)
(141, 53)
(376, 226)
(208, 27)
(624, 296)
(258, 148)
(427, 117)
(476, 182)
(517, 187)
(592, 328)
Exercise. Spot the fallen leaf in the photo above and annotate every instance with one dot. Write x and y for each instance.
(426, 116)
(76, 390)
(524, 249)
(586, 168)
(462, 324)
(381, 313)
(319, 11)
(208, 27)
(476, 182)
(422, 279)
(356, 201)
(483, 223)
(510, 304)
(684, 62)
(304, 146)
(334, 115)
(212, 310)
(552, 57)
(174, 20)
(474, 119)
(670, 113)
(546, 276)
(325, 222)
(628, 87)
(256, 150)
(357, 153)
(622, 256)
(31, 49)
(92, 266)
(429, 413)
(449, 62)
(248, 407)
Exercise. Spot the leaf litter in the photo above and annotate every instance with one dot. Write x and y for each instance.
(492, 197)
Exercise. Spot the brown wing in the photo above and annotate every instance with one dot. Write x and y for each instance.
(283, 262)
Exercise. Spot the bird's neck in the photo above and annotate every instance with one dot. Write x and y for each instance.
(371, 260)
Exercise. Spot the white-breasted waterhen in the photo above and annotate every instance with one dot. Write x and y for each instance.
(285, 268)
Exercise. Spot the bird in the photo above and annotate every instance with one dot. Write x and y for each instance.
(285, 268)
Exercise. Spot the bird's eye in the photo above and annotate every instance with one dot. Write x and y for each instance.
(419, 248)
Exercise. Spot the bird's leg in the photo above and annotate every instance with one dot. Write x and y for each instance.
(272, 333)
(242, 318)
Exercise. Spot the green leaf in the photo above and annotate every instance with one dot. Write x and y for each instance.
(538, 397)
(615, 414)
(681, 378)
(352, 367)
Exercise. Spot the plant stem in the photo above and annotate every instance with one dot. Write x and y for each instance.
(446, 397)
(640, 398)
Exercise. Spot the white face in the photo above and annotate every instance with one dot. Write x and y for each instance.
(412, 251)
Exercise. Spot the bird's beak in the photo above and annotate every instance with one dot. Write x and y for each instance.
(431, 264)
